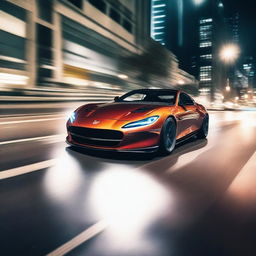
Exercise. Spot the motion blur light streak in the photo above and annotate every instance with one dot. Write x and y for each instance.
(127, 200)
(76, 81)
(6, 78)
(122, 76)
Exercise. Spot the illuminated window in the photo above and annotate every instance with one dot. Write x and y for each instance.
(205, 28)
(203, 21)
(205, 73)
(205, 44)
(205, 68)
(206, 57)
(159, 5)
(205, 35)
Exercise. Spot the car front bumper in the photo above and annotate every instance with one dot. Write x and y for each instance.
(132, 141)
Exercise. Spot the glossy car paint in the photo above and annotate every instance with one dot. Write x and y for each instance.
(114, 115)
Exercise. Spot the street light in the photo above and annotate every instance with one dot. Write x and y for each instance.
(228, 88)
(229, 53)
(198, 2)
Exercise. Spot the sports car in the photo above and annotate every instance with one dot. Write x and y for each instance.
(144, 120)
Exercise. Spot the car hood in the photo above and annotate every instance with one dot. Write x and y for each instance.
(118, 110)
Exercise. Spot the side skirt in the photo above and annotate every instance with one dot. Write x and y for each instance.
(188, 136)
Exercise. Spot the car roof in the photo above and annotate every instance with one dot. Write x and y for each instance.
(154, 90)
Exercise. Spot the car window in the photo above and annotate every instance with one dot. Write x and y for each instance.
(167, 97)
(185, 100)
(135, 97)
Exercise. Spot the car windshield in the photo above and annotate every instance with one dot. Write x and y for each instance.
(167, 97)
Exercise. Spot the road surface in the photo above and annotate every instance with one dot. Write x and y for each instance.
(55, 200)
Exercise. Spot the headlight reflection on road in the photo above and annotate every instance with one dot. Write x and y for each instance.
(62, 180)
(127, 200)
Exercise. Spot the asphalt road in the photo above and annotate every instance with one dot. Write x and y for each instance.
(200, 200)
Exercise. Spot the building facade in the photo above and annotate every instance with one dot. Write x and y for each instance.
(67, 41)
(212, 35)
(168, 28)
(195, 31)
(159, 20)
(72, 42)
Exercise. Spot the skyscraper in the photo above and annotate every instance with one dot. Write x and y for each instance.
(194, 31)
(211, 35)
(206, 52)
(232, 23)
(159, 20)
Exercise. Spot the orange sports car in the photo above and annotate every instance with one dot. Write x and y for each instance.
(144, 120)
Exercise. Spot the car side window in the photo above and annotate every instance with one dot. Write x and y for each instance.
(135, 97)
(185, 100)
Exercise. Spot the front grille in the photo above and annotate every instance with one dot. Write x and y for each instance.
(95, 137)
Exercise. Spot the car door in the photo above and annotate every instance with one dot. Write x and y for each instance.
(188, 116)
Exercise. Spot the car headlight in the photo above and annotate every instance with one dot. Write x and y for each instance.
(143, 122)
(72, 117)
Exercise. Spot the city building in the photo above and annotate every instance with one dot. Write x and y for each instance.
(195, 31)
(168, 19)
(233, 27)
(249, 71)
(206, 53)
(211, 71)
(235, 76)
(159, 20)
(68, 41)
(167, 25)
(72, 42)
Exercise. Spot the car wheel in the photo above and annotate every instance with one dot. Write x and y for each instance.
(168, 136)
(203, 132)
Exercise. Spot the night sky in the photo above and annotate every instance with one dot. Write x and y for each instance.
(247, 11)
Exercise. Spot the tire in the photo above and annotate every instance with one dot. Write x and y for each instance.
(168, 136)
(203, 132)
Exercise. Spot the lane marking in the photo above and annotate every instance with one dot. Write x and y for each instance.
(245, 179)
(31, 120)
(26, 169)
(32, 115)
(79, 239)
(59, 137)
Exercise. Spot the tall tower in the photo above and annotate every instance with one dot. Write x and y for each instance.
(158, 20)
(212, 35)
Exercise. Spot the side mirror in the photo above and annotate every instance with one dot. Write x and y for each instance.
(116, 99)
(183, 106)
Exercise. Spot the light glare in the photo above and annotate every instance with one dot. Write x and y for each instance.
(127, 200)
(229, 53)
(198, 2)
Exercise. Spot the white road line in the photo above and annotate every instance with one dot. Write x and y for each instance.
(31, 115)
(79, 239)
(59, 137)
(26, 169)
(244, 182)
(31, 120)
